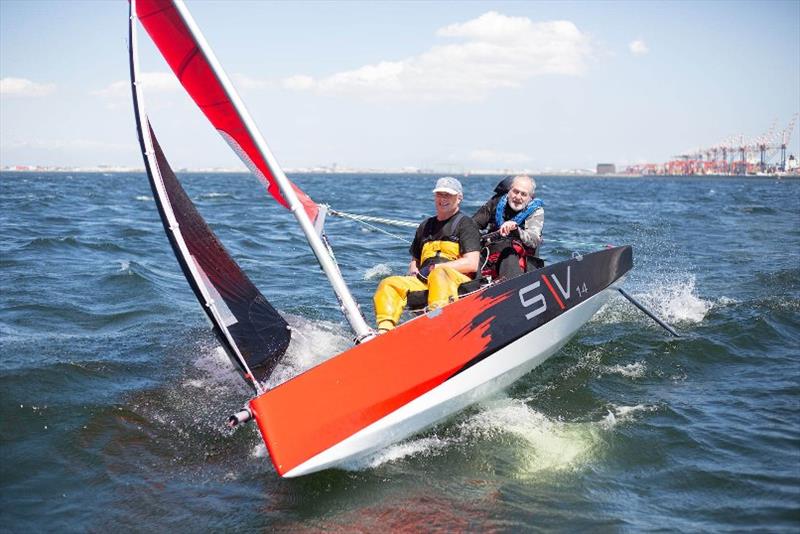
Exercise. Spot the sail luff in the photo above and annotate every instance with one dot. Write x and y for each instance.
(225, 87)
(248, 327)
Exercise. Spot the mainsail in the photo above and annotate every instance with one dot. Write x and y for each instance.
(198, 72)
(252, 332)
(180, 41)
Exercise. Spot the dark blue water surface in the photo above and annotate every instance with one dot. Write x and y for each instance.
(113, 391)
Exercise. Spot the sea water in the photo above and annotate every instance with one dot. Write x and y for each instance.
(114, 392)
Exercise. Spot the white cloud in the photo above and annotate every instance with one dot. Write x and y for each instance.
(69, 144)
(153, 82)
(497, 51)
(20, 87)
(241, 81)
(638, 47)
(298, 83)
(495, 157)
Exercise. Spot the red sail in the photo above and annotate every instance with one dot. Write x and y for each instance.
(180, 47)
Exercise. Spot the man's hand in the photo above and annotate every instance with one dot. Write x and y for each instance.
(507, 227)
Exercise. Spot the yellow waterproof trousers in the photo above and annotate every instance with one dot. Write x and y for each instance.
(392, 293)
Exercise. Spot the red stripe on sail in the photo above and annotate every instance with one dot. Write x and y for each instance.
(180, 49)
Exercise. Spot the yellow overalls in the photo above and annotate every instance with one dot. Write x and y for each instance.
(392, 293)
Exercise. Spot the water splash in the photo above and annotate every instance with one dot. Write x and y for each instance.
(624, 414)
(217, 371)
(542, 445)
(259, 451)
(672, 301)
(313, 342)
(678, 302)
(415, 447)
(377, 271)
(547, 445)
(632, 370)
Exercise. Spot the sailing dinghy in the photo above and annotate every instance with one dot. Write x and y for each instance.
(384, 388)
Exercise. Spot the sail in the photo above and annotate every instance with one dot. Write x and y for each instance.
(198, 71)
(251, 331)
(175, 33)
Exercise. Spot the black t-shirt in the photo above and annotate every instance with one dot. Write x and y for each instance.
(467, 233)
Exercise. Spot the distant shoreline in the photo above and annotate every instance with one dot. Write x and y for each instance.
(794, 176)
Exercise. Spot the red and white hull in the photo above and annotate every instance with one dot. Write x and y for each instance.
(489, 376)
(383, 391)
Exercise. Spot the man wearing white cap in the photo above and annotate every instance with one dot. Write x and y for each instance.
(444, 255)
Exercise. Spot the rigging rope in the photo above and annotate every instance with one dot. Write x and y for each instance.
(369, 218)
(366, 219)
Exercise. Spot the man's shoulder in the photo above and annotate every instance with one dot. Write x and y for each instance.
(425, 223)
(468, 224)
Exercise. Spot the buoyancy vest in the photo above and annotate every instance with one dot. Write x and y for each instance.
(445, 247)
(520, 217)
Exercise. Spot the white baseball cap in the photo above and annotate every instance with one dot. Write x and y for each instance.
(448, 184)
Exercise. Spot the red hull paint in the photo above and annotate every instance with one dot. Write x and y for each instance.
(368, 382)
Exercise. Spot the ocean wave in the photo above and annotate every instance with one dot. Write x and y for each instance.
(617, 414)
(207, 196)
(60, 242)
(69, 316)
(757, 209)
(631, 370)
(782, 279)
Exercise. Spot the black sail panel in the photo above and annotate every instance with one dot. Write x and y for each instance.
(236, 307)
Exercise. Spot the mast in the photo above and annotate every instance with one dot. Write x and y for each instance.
(168, 216)
(347, 303)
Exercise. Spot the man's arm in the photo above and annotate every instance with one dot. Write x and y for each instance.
(466, 264)
(470, 241)
(416, 249)
(530, 232)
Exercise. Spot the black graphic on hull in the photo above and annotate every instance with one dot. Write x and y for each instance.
(533, 299)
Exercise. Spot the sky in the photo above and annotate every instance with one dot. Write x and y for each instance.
(433, 85)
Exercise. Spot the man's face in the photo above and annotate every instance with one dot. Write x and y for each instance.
(446, 204)
(519, 195)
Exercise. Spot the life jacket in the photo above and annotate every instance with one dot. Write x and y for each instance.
(519, 218)
(441, 249)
